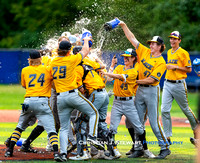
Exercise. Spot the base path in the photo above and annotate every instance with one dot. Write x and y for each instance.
(13, 116)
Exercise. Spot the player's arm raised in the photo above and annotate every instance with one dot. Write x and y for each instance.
(130, 36)
(85, 49)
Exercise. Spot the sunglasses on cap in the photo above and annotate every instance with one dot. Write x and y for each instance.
(126, 52)
(176, 35)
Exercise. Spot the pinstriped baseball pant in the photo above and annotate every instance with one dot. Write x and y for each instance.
(66, 103)
(177, 91)
(148, 98)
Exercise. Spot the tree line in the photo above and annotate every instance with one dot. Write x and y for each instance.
(29, 24)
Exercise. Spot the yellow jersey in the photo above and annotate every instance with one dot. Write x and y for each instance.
(125, 88)
(136, 85)
(96, 66)
(37, 80)
(46, 60)
(149, 65)
(89, 77)
(64, 73)
(179, 58)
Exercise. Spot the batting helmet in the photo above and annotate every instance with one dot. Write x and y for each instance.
(196, 65)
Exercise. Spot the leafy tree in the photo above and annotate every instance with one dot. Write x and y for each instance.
(28, 24)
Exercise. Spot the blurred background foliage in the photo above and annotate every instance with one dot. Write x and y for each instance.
(30, 23)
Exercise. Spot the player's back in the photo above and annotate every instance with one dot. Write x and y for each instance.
(37, 80)
(63, 71)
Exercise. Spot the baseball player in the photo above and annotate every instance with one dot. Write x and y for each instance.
(147, 153)
(123, 104)
(178, 65)
(89, 81)
(37, 81)
(151, 68)
(68, 98)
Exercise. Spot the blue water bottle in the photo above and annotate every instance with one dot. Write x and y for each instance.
(85, 33)
(111, 24)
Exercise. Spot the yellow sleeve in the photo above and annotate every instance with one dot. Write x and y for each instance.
(158, 71)
(76, 59)
(80, 72)
(185, 59)
(117, 71)
(142, 51)
(131, 77)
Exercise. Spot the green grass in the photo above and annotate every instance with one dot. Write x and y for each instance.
(11, 96)
(184, 152)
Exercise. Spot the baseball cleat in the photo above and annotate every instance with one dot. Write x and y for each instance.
(163, 153)
(116, 153)
(9, 153)
(148, 154)
(101, 155)
(136, 154)
(27, 148)
(95, 142)
(130, 151)
(63, 156)
(79, 158)
(58, 158)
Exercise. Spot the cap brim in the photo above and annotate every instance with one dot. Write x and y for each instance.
(126, 55)
(174, 37)
(149, 41)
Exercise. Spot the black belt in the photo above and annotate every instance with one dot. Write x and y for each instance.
(145, 85)
(174, 81)
(123, 98)
(37, 96)
(71, 91)
(99, 90)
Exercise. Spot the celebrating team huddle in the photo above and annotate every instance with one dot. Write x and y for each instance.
(72, 83)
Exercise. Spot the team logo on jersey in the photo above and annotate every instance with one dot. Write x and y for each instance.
(158, 74)
(147, 65)
(173, 61)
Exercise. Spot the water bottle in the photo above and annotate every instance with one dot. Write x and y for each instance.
(20, 142)
(85, 33)
(111, 24)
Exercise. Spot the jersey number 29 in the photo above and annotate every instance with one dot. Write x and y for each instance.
(62, 72)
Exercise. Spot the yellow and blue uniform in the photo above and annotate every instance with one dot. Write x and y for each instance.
(150, 65)
(147, 96)
(37, 80)
(123, 103)
(68, 98)
(179, 58)
(175, 88)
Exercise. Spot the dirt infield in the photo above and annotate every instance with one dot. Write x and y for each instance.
(13, 116)
(17, 155)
